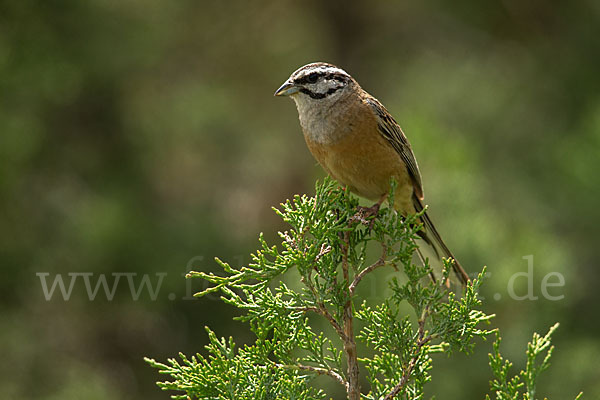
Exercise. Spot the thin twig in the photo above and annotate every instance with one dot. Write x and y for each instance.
(379, 263)
(353, 387)
(322, 310)
(323, 251)
(321, 371)
(422, 340)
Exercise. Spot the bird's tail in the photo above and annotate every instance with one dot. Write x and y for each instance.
(437, 248)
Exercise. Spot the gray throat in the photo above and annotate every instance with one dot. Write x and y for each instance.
(322, 121)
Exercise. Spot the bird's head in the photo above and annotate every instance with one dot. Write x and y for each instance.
(316, 83)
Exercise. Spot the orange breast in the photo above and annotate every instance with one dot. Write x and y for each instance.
(364, 161)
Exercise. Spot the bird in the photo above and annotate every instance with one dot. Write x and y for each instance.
(360, 145)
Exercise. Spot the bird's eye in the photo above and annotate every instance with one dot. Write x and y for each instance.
(312, 78)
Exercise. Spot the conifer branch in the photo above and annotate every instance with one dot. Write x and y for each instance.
(326, 244)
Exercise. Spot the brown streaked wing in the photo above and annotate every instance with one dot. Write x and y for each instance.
(390, 130)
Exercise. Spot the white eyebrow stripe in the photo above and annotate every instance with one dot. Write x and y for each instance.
(322, 69)
(330, 70)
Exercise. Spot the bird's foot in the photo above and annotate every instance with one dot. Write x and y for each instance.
(367, 215)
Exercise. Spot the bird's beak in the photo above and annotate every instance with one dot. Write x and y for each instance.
(288, 88)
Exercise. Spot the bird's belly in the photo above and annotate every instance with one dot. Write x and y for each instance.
(364, 163)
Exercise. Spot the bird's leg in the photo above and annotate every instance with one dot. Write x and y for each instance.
(364, 213)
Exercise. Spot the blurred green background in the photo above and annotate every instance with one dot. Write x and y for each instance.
(143, 137)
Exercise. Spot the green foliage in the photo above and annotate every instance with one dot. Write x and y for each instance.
(522, 385)
(328, 243)
(233, 374)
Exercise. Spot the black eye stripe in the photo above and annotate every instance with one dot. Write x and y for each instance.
(307, 78)
(338, 77)
(314, 95)
(315, 76)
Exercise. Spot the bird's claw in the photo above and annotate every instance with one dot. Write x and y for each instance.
(367, 215)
